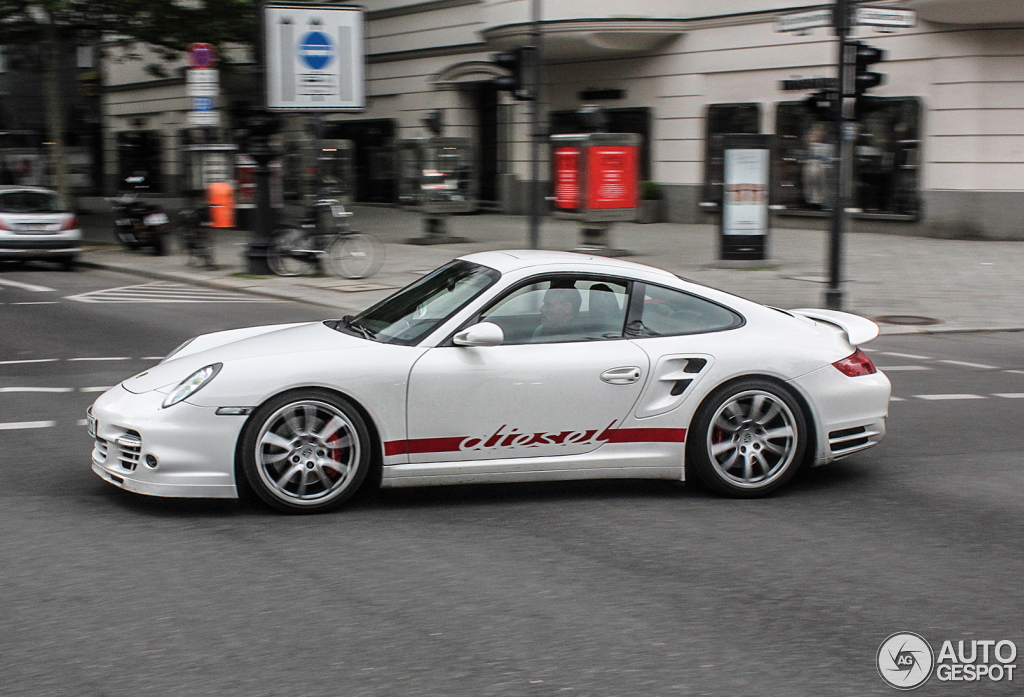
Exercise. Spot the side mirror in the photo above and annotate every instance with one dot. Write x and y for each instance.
(482, 334)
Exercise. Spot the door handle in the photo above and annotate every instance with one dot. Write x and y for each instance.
(621, 376)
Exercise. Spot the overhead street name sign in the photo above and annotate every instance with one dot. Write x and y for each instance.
(314, 57)
(885, 17)
(802, 21)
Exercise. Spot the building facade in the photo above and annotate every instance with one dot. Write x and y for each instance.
(941, 153)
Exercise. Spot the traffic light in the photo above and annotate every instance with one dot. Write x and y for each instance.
(867, 56)
(822, 105)
(514, 62)
(434, 122)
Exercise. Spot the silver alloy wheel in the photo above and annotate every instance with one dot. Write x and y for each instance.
(307, 452)
(753, 439)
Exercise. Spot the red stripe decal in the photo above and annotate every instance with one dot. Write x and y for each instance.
(423, 445)
(648, 435)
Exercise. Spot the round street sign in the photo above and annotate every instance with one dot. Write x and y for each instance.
(202, 55)
(316, 50)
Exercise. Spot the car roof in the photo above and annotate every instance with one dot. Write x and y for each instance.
(508, 260)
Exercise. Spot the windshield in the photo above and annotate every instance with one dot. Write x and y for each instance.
(31, 202)
(416, 310)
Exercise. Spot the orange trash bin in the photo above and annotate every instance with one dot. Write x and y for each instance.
(220, 196)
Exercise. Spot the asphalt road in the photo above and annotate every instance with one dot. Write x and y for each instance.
(601, 588)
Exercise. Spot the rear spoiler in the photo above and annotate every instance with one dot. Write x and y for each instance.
(858, 329)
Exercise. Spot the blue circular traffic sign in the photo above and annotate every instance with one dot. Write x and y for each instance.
(316, 50)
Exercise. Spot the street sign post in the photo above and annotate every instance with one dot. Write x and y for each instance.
(314, 57)
(203, 87)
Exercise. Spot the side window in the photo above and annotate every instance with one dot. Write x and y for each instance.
(666, 312)
(561, 309)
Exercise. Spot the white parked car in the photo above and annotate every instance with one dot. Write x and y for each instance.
(37, 223)
(501, 367)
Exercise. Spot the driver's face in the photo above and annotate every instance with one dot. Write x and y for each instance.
(556, 309)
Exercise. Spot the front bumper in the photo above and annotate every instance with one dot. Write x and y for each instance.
(183, 451)
(850, 413)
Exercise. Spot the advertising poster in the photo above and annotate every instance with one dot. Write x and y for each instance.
(567, 178)
(612, 177)
(745, 198)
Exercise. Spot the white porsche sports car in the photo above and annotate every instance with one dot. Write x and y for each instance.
(501, 367)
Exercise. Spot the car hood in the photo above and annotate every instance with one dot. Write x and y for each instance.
(237, 344)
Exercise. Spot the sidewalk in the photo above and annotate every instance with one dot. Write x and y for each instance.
(933, 284)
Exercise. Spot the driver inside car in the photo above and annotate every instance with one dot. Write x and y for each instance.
(559, 314)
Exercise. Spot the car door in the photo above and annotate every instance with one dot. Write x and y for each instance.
(544, 391)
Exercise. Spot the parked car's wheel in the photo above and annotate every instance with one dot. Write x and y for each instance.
(747, 439)
(305, 452)
(159, 242)
(68, 263)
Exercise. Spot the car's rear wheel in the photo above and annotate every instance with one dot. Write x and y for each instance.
(306, 452)
(747, 439)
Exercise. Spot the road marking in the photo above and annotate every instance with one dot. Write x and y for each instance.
(26, 286)
(102, 358)
(969, 365)
(100, 388)
(891, 368)
(38, 302)
(938, 397)
(18, 425)
(166, 292)
(896, 399)
(1009, 395)
(1015, 372)
(30, 360)
(37, 389)
(911, 356)
(152, 358)
(82, 422)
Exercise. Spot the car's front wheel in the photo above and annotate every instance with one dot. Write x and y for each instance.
(747, 439)
(305, 452)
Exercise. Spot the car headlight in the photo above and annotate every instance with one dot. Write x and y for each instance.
(179, 348)
(192, 384)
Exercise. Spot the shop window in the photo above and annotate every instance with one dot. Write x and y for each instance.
(885, 165)
(721, 120)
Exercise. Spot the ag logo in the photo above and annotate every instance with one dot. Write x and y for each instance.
(905, 660)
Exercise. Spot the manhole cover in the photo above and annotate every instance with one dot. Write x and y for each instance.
(906, 320)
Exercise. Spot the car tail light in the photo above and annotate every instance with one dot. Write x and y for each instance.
(855, 365)
(3, 225)
(70, 224)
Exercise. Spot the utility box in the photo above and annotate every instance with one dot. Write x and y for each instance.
(596, 176)
(220, 197)
(746, 182)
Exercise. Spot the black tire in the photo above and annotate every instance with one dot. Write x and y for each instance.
(159, 243)
(306, 451)
(747, 439)
(68, 263)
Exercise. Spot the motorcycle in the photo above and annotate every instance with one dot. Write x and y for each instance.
(139, 224)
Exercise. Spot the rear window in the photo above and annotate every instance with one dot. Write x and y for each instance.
(31, 202)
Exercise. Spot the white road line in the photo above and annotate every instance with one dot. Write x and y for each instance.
(152, 358)
(102, 358)
(37, 389)
(1009, 395)
(100, 388)
(30, 360)
(896, 399)
(82, 422)
(912, 356)
(892, 368)
(940, 397)
(26, 286)
(38, 302)
(1015, 372)
(18, 425)
(969, 365)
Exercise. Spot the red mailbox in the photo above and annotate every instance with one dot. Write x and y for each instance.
(596, 176)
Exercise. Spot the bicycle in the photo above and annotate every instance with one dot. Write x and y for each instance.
(195, 234)
(324, 238)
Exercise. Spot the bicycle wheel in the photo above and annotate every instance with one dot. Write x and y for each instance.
(355, 255)
(281, 257)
